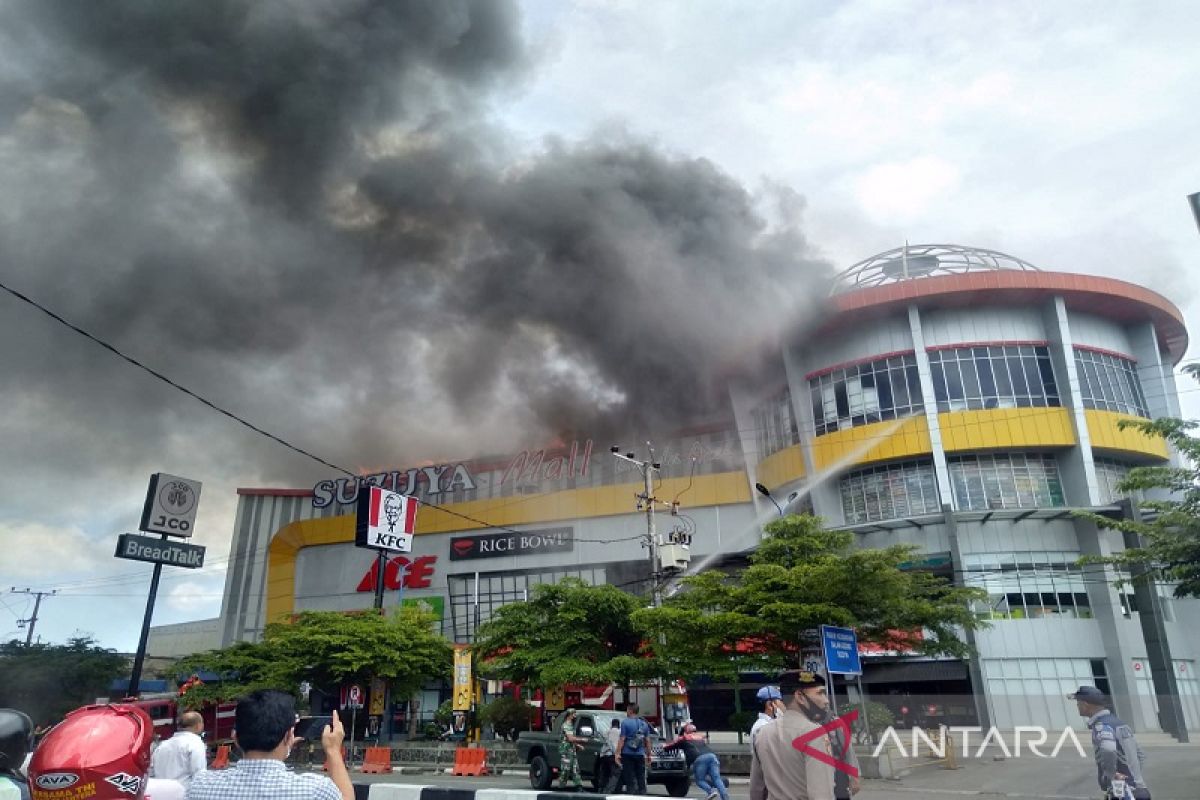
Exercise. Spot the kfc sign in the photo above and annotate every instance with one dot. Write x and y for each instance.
(416, 573)
(492, 545)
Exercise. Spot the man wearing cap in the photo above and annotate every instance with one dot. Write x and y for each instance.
(772, 706)
(778, 769)
(1118, 756)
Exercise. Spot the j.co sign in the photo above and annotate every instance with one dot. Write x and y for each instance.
(493, 545)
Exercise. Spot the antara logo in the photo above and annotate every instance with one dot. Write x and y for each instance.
(417, 573)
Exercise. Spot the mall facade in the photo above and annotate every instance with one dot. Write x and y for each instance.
(952, 398)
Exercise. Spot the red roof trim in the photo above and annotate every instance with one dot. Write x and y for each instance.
(275, 492)
(845, 364)
(1106, 352)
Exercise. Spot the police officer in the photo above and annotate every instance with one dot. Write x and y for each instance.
(779, 770)
(1118, 756)
(16, 740)
(568, 760)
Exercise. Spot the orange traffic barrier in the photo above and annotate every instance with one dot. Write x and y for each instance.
(377, 760)
(221, 759)
(470, 761)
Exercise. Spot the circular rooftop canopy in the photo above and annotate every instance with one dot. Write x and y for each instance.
(924, 261)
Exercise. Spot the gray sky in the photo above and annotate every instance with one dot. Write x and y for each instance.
(393, 233)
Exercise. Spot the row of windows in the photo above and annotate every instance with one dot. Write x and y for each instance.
(1005, 480)
(1008, 376)
(1028, 585)
(864, 393)
(979, 482)
(965, 378)
(1109, 383)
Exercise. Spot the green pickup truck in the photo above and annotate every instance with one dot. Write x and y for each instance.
(539, 749)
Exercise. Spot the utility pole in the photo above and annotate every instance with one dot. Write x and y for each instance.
(647, 500)
(37, 604)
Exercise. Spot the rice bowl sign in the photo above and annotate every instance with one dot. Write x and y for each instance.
(494, 545)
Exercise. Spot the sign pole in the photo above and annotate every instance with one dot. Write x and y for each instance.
(136, 678)
(380, 566)
(862, 698)
(832, 690)
(353, 726)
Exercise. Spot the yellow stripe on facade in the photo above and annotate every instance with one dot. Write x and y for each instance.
(783, 467)
(1106, 435)
(596, 501)
(1006, 428)
(879, 441)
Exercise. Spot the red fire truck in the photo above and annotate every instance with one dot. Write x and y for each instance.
(164, 710)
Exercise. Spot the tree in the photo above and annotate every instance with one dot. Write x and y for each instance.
(46, 681)
(507, 716)
(1171, 536)
(800, 577)
(568, 632)
(327, 648)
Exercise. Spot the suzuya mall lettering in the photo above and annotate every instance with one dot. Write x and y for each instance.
(417, 572)
(527, 467)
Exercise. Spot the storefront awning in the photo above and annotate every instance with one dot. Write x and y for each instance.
(915, 672)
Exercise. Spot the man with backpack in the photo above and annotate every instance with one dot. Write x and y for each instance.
(1118, 756)
(631, 751)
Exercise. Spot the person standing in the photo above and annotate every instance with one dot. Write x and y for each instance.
(706, 767)
(607, 768)
(1119, 758)
(631, 751)
(772, 707)
(568, 759)
(781, 771)
(182, 756)
(264, 730)
(16, 742)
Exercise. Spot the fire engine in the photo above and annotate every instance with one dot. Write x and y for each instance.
(164, 711)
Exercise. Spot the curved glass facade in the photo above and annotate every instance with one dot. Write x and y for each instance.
(993, 376)
(1109, 383)
(905, 489)
(1005, 480)
(866, 393)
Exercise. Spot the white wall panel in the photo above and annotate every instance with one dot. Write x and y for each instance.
(874, 338)
(1090, 330)
(987, 324)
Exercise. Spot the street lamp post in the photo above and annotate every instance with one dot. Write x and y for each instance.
(765, 492)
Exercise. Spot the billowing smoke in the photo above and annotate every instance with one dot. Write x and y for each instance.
(305, 211)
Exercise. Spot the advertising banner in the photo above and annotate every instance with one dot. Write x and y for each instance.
(462, 678)
(385, 520)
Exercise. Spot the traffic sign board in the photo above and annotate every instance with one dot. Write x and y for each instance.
(352, 696)
(841, 651)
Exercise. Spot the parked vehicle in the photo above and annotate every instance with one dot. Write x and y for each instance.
(539, 749)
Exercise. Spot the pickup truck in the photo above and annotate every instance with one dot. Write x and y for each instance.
(539, 749)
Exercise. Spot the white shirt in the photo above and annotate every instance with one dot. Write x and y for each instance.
(762, 720)
(162, 789)
(179, 758)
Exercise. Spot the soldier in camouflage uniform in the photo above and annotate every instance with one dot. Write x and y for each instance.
(568, 762)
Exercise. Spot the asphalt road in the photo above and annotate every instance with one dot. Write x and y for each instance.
(1173, 772)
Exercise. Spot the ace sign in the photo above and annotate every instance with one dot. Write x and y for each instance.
(385, 520)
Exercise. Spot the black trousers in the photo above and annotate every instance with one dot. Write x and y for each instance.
(633, 774)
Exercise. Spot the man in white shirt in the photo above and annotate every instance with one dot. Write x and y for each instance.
(183, 755)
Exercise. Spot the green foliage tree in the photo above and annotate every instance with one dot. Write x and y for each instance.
(800, 577)
(568, 632)
(46, 680)
(507, 716)
(1170, 539)
(327, 648)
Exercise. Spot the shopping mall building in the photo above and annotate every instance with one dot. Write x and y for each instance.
(957, 399)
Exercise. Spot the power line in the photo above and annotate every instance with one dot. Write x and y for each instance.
(37, 604)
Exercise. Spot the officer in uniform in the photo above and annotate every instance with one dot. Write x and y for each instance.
(1118, 756)
(778, 769)
(568, 761)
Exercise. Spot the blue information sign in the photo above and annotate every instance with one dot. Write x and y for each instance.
(841, 651)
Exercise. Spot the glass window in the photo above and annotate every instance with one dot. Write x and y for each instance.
(1028, 585)
(997, 376)
(891, 491)
(1109, 473)
(1110, 383)
(775, 426)
(864, 393)
(1005, 480)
